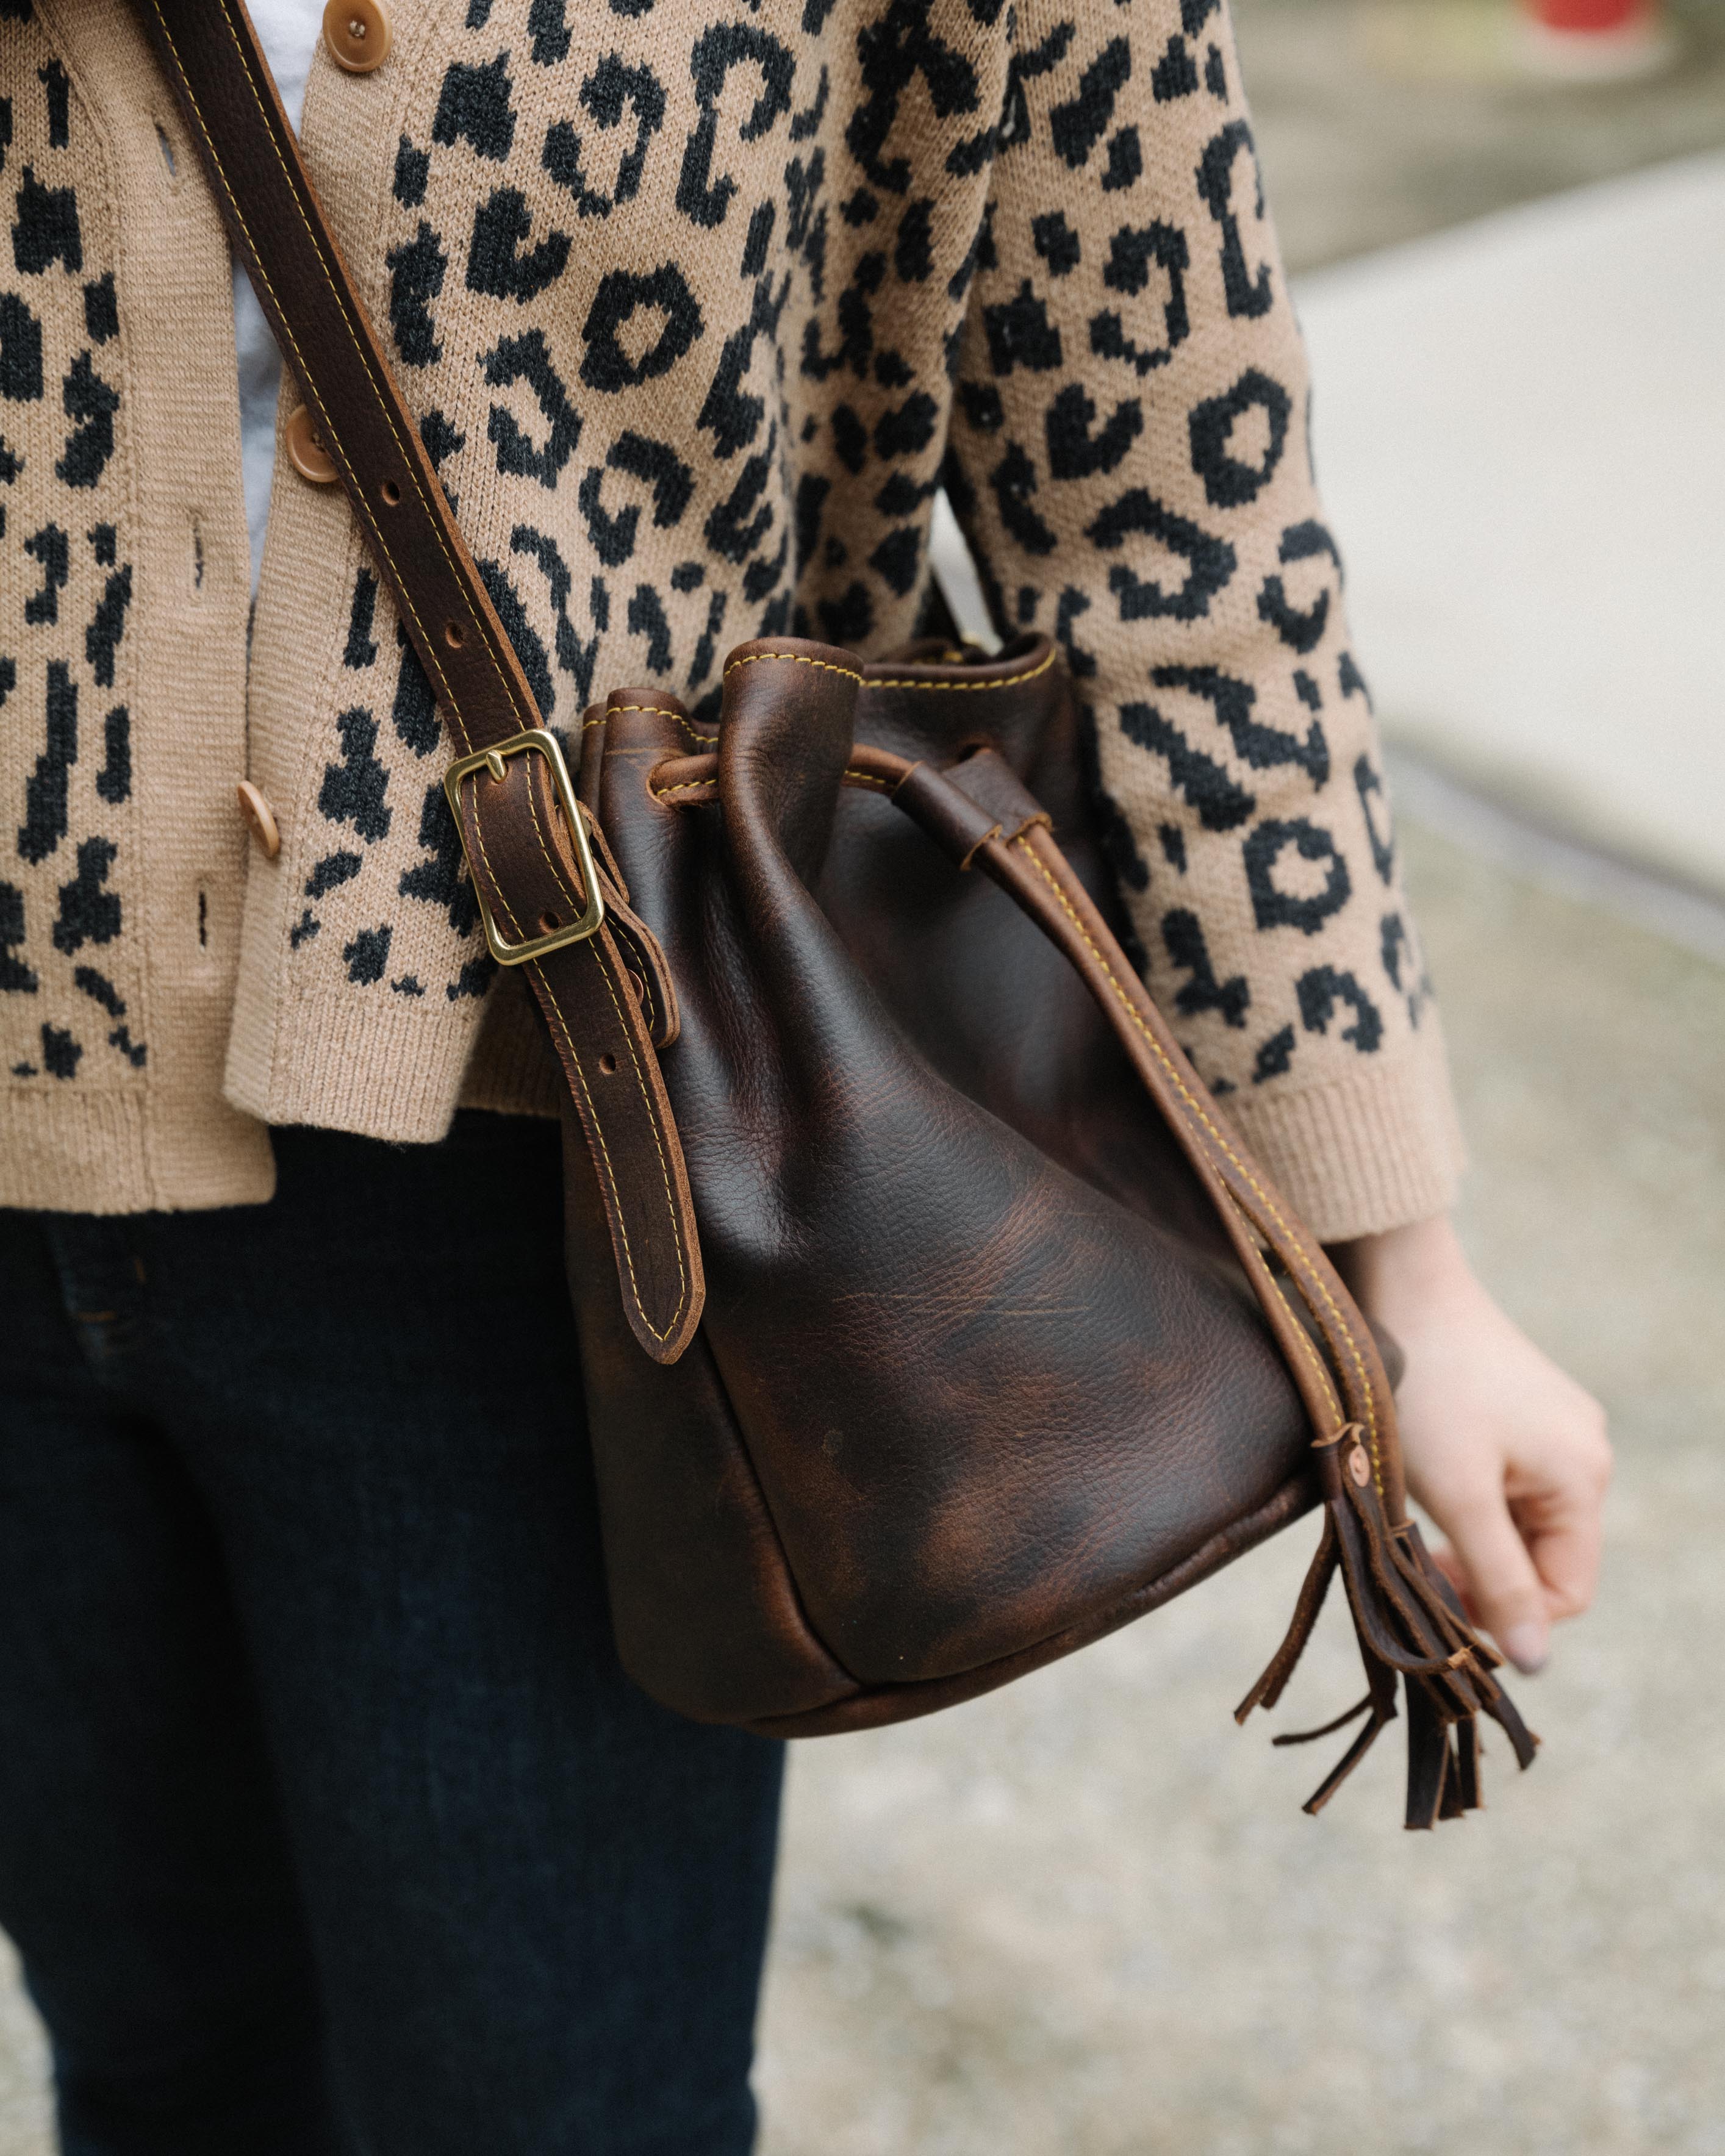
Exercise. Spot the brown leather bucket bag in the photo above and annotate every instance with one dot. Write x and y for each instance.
(934, 1322)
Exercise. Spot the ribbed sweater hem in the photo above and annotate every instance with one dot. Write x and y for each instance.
(133, 1151)
(1378, 1149)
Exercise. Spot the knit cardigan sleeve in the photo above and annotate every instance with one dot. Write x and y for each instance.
(1129, 457)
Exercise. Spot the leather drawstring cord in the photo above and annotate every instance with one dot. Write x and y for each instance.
(1408, 1622)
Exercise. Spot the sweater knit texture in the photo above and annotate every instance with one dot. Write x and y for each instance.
(695, 308)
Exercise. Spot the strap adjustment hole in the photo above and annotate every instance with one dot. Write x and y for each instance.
(607, 1064)
(391, 492)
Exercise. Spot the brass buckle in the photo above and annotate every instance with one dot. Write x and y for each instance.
(547, 744)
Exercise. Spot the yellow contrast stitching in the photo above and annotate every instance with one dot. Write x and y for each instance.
(1316, 1280)
(796, 659)
(556, 873)
(365, 361)
(575, 1061)
(640, 1080)
(479, 832)
(659, 711)
(711, 785)
(1006, 681)
(791, 658)
(610, 1173)
(1195, 1109)
(1311, 1354)
(670, 1202)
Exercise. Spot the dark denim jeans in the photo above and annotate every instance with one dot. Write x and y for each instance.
(328, 1820)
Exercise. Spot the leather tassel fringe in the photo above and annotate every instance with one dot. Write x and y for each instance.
(1409, 1625)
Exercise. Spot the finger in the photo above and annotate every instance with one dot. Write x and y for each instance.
(1501, 1581)
(1564, 1542)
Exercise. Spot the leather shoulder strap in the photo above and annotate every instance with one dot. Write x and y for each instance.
(516, 837)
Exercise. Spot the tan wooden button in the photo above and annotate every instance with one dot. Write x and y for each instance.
(260, 817)
(1359, 1466)
(357, 34)
(306, 453)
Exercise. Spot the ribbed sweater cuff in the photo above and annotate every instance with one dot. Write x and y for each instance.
(1375, 1150)
(399, 1069)
(383, 1067)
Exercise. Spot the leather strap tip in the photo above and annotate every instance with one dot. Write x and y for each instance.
(667, 1347)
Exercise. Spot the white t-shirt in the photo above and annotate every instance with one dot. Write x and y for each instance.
(289, 30)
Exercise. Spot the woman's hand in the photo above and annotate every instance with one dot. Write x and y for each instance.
(1507, 1453)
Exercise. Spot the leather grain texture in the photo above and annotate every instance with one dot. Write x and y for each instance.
(1000, 1375)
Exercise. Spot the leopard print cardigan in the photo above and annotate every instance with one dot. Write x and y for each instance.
(696, 308)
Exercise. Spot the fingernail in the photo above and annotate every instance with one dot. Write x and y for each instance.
(1525, 1646)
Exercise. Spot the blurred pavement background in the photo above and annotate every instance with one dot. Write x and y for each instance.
(1519, 427)
(1085, 1917)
